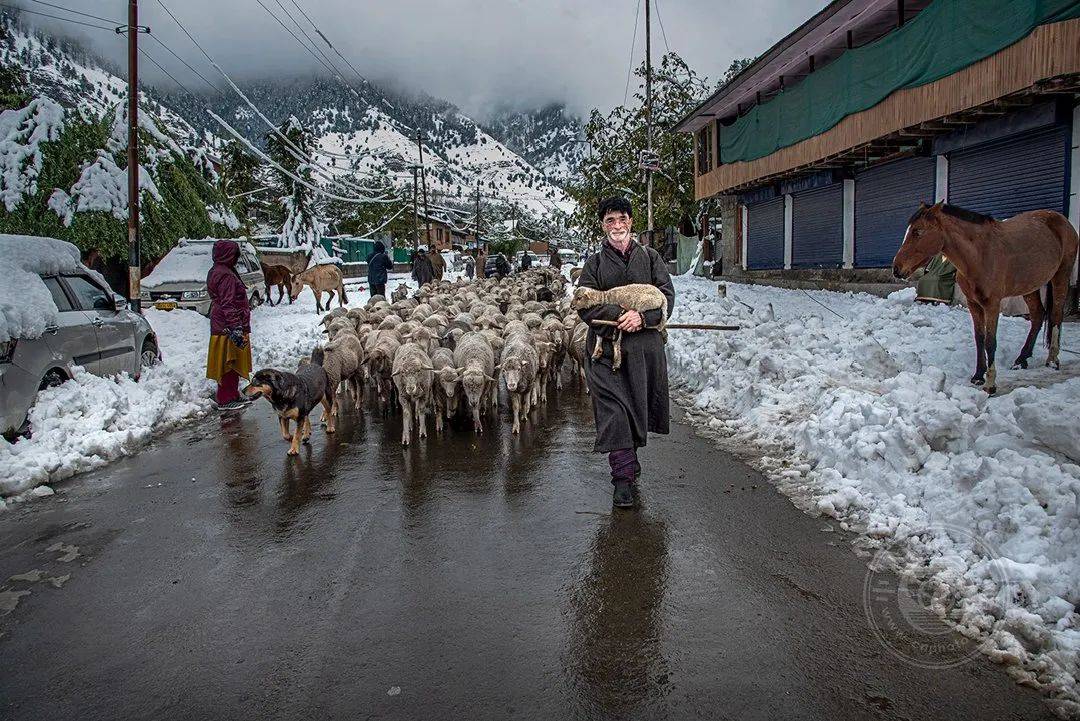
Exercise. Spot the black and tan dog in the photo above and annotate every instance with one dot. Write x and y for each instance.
(295, 395)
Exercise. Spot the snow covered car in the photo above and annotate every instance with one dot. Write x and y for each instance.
(179, 279)
(57, 314)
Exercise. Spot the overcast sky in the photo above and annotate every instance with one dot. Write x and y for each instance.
(475, 53)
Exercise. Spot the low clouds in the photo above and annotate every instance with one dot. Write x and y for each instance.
(479, 54)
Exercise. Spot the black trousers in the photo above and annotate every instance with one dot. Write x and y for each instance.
(378, 289)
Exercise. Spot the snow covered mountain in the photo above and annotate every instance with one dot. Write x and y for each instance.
(374, 132)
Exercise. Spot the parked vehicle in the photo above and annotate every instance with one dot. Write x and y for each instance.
(179, 279)
(94, 329)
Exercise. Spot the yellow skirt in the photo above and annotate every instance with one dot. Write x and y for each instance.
(224, 356)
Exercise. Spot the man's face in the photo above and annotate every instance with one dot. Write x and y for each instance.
(616, 226)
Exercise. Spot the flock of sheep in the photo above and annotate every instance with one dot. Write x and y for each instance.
(445, 348)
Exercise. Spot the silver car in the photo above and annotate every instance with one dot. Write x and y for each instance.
(179, 279)
(94, 329)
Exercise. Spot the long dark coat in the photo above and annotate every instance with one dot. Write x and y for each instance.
(422, 272)
(378, 266)
(632, 402)
(228, 294)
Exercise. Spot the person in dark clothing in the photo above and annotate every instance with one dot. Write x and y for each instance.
(502, 265)
(526, 260)
(379, 265)
(555, 259)
(229, 355)
(422, 272)
(470, 267)
(629, 403)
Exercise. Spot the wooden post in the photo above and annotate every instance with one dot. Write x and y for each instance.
(134, 250)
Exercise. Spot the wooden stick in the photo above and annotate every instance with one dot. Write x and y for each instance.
(678, 326)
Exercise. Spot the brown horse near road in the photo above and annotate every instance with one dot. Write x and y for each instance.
(280, 277)
(995, 260)
(323, 278)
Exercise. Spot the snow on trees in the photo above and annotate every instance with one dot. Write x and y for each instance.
(300, 226)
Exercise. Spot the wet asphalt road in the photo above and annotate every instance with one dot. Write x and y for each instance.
(210, 577)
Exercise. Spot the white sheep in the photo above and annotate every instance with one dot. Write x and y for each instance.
(413, 376)
(635, 296)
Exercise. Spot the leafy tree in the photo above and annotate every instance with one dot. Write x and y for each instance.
(616, 139)
(736, 67)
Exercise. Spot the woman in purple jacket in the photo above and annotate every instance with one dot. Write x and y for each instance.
(229, 356)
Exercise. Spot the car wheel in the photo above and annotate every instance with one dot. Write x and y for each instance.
(52, 379)
(150, 355)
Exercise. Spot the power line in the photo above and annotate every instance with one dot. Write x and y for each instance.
(328, 43)
(662, 31)
(77, 12)
(57, 17)
(633, 42)
(296, 38)
(308, 38)
(149, 57)
(186, 65)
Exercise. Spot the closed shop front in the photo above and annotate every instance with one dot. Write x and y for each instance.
(885, 197)
(1009, 176)
(765, 234)
(817, 228)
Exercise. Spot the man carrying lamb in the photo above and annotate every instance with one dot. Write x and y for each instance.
(632, 401)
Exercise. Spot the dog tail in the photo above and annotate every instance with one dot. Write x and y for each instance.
(318, 355)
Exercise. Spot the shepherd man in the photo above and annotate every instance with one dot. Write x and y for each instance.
(629, 403)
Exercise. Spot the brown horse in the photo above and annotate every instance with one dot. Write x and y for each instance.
(323, 278)
(995, 260)
(280, 277)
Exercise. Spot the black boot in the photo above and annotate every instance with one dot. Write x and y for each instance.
(623, 496)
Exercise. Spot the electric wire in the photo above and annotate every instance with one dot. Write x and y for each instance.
(661, 21)
(633, 42)
(56, 17)
(186, 64)
(78, 12)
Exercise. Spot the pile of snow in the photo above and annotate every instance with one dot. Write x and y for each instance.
(864, 411)
(26, 305)
(22, 132)
(89, 421)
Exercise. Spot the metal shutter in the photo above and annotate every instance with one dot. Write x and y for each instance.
(817, 228)
(1010, 176)
(885, 197)
(765, 234)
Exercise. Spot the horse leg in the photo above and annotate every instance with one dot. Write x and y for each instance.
(1059, 286)
(991, 314)
(977, 322)
(1035, 313)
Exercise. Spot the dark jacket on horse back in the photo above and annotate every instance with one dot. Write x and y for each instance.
(228, 294)
(379, 265)
(633, 401)
(422, 271)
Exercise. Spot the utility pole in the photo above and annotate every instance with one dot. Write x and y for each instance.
(415, 229)
(423, 186)
(478, 214)
(648, 116)
(134, 259)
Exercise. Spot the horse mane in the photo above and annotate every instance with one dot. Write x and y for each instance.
(969, 216)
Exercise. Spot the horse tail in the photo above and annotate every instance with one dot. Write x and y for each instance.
(1048, 309)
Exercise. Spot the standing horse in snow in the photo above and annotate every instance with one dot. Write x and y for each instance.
(995, 260)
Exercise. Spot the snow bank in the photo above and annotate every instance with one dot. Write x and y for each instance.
(26, 306)
(863, 408)
(89, 421)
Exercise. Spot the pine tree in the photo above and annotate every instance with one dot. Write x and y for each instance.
(300, 226)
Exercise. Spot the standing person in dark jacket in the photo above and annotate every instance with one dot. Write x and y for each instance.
(422, 272)
(379, 265)
(526, 260)
(555, 259)
(629, 403)
(229, 355)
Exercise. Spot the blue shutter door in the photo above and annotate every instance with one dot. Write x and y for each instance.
(1010, 176)
(885, 197)
(817, 228)
(765, 234)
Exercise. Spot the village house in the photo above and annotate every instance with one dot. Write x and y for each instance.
(822, 148)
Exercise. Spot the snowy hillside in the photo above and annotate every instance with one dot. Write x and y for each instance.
(545, 137)
(374, 133)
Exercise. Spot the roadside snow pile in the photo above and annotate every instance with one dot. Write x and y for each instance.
(89, 421)
(26, 305)
(864, 409)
